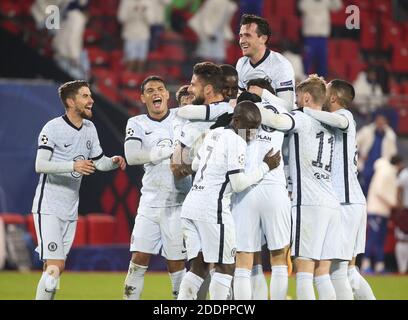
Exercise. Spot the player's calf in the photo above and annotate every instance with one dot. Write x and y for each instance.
(48, 284)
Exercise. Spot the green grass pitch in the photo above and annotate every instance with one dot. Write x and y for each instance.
(108, 286)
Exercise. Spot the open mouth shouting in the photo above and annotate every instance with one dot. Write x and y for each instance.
(157, 102)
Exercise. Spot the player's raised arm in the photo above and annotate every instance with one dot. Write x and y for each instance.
(194, 112)
(283, 122)
(331, 119)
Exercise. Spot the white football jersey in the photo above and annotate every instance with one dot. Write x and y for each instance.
(273, 67)
(221, 154)
(192, 131)
(159, 188)
(58, 194)
(266, 139)
(345, 159)
(311, 147)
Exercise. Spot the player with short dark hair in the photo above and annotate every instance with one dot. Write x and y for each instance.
(206, 86)
(68, 148)
(208, 226)
(183, 97)
(150, 142)
(230, 80)
(260, 62)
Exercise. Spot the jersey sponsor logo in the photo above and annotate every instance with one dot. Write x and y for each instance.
(263, 137)
(197, 187)
(286, 83)
(130, 132)
(44, 139)
(76, 174)
(67, 145)
(88, 144)
(148, 132)
(322, 176)
(52, 246)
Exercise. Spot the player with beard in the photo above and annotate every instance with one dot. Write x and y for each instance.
(68, 148)
(206, 86)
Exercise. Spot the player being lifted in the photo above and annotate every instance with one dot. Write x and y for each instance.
(260, 62)
(316, 232)
(68, 148)
(208, 227)
(339, 97)
(150, 142)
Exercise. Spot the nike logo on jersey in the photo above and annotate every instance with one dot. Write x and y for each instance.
(147, 133)
(67, 145)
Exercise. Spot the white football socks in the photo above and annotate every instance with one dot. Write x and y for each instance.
(189, 286)
(176, 278)
(325, 287)
(220, 286)
(304, 286)
(242, 284)
(259, 284)
(278, 287)
(134, 281)
(361, 288)
(340, 281)
(47, 287)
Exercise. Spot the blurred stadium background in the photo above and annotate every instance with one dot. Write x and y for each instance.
(30, 73)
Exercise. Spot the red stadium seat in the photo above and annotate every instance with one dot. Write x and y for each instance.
(91, 36)
(131, 79)
(100, 228)
(80, 233)
(369, 32)
(285, 8)
(383, 7)
(391, 32)
(11, 27)
(403, 120)
(291, 28)
(399, 61)
(339, 18)
(10, 9)
(98, 57)
(12, 218)
(174, 52)
(132, 96)
(395, 93)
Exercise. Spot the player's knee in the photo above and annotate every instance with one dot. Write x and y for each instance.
(141, 258)
(54, 266)
(279, 257)
(225, 268)
(245, 260)
(175, 265)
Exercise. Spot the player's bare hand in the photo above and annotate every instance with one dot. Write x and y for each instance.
(120, 161)
(256, 90)
(84, 167)
(272, 160)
